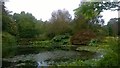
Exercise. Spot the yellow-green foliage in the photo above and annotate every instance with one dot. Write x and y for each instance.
(111, 58)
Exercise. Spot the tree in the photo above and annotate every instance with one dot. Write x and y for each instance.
(60, 15)
(8, 24)
(26, 24)
(113, 26)
(59, 22)
(118, 26)
(88, 14)
(9, 32)
(91, 10)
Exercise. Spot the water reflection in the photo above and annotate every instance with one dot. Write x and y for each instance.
(42, 64)
(48, 58)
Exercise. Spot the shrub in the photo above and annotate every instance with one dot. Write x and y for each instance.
(112, 57)
(8, 43)
(82, 38)
(109, 60)
(61, 39)
(93, 42)
(42, 43)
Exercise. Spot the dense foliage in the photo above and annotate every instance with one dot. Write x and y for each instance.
(83, 37)
(24, 34)
(8, 44)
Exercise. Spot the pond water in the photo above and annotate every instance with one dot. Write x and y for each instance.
(47, 58)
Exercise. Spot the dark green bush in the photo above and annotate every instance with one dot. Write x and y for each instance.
(8, 44)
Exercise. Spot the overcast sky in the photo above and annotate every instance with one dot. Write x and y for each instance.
(42, 9)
